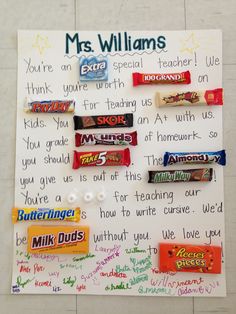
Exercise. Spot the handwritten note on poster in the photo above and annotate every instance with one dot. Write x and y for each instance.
(135, 217)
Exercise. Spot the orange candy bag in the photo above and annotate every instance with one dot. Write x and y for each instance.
(189, 258)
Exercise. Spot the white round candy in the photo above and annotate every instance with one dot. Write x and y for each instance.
(71, 198)
(101, 196)
(88, 196)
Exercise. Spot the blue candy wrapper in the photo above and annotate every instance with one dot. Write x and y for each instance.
(93, 68)
(218, 157)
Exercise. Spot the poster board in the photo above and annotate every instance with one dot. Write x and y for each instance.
(135, 216)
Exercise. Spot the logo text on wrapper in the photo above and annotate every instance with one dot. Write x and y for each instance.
(189, 259)
(49, 240)
(93, 68)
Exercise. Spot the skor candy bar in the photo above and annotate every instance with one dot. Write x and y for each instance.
(161, 78)
(106, 139)
(101, 158)
(50, 106)
(103, 121)
(185, 175)
(39, 214)
(190, 98)
(217, 157)
(58, 239)
(189, 258)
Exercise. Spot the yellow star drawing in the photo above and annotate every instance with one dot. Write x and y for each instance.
(190, 44)
(41, 43)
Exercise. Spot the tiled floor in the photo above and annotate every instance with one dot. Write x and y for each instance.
(111, 15)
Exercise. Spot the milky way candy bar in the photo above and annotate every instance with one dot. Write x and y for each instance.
(217, 157)
(185, 175)
(190, 98)
(106, 139)
(161, 78)
(50, 106)
(189, 258)
(101, 158)
(103, 121)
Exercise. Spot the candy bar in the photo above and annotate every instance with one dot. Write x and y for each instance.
(38, 214)
(190, 98)
(93, 68)
(203, 175)
(58, 239)
(103, 121)
(195, 158)
(189, 258)
(106, 139)
(161, 78)
(50, 106)
(101, 158)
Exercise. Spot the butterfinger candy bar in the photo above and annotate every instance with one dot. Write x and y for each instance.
(203, 175)
(50, 106)
(195, 158)
(103, 121)
(106, 139)
(38, 214)
(189, 258)
(190, 98)
(101, 158)
(170, 78)
(58, 239)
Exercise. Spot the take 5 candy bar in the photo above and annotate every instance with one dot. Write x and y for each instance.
(58, 239)
(50, 106)
(106, 139)
(190, 98)
(161, 78)
(103, 121)
(39, 214)
(185, 175)
(101, 158)
(189, 258)
(217, 157)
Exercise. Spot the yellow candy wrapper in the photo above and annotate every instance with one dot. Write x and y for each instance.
(58, 239)
(40, 214)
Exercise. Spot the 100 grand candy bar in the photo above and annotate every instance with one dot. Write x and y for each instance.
(161, 78)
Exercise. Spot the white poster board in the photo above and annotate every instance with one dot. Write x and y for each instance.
(126, 228)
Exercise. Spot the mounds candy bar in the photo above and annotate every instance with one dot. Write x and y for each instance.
(50, 106)
(102, 158)
(58, 239)
(106, 139)
(190, 98)
(38, 214)
(189, 258)
(103, 121)
(217, 157)
(93, 68)
(161, 78)
(203, 175)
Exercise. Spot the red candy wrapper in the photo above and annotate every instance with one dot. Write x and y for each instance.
(106, 139)
(161, 78)
(50, 106)
(189, 258)
(101, 158)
